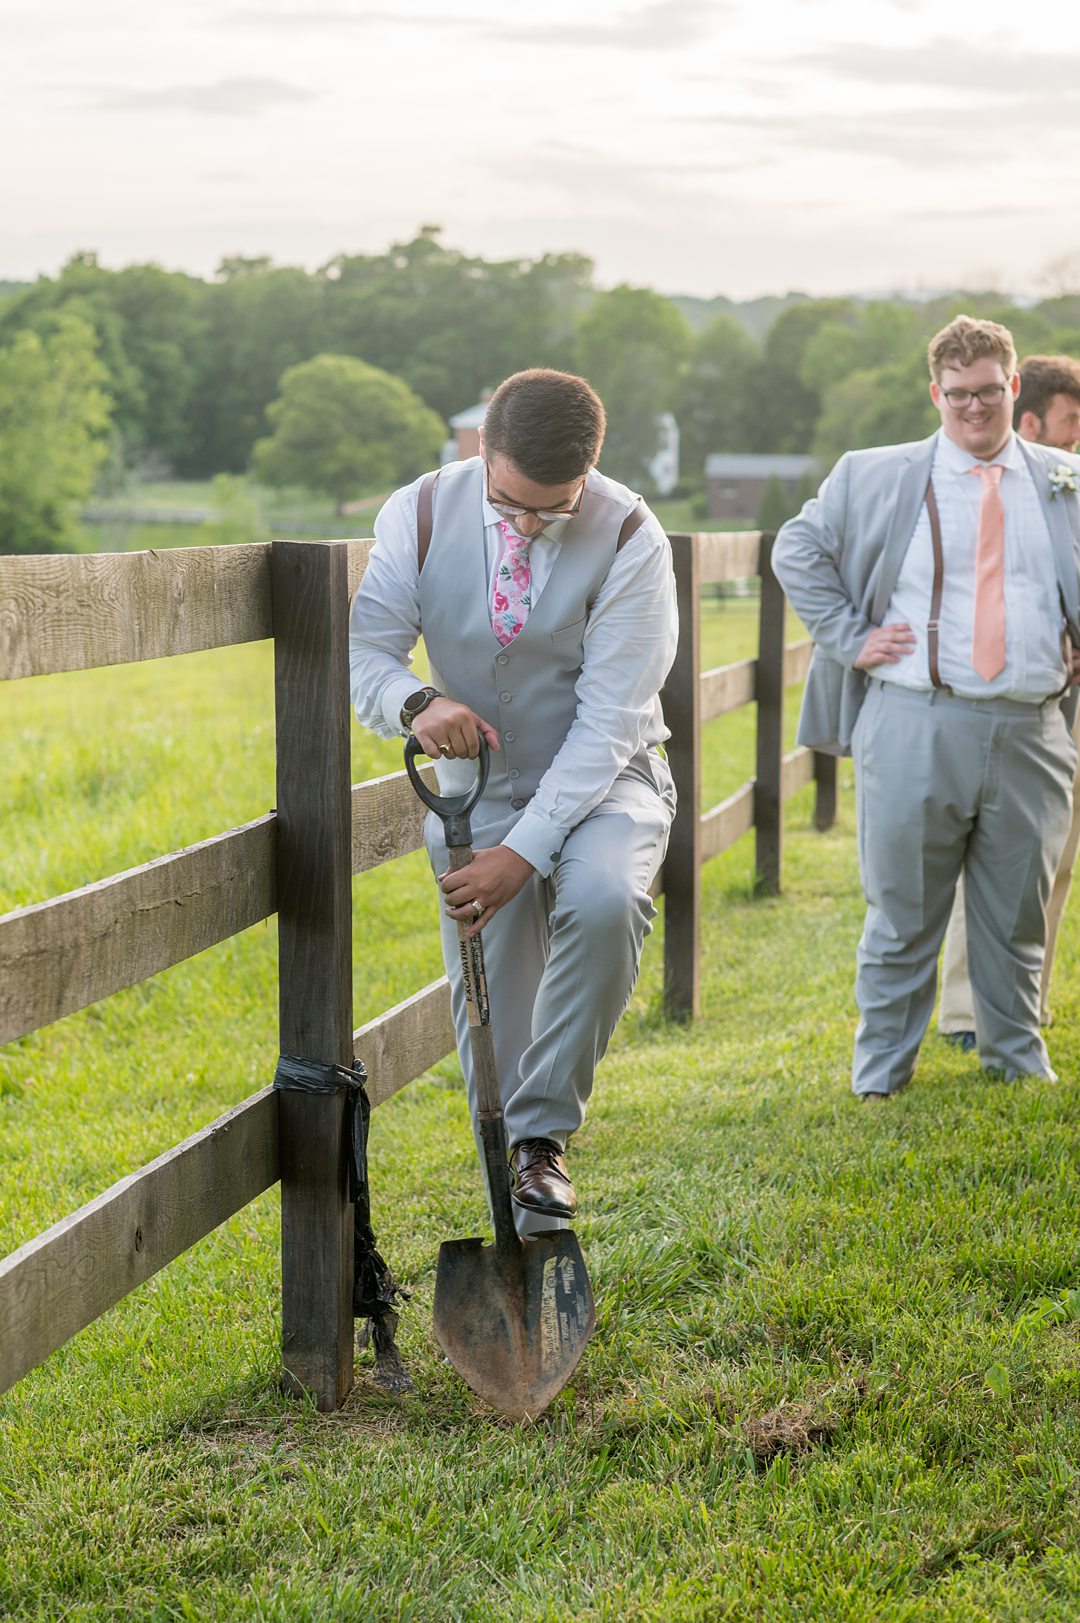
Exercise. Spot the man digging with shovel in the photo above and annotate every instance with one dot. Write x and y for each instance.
(545, 597)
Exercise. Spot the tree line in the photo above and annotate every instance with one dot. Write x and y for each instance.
(106, 372)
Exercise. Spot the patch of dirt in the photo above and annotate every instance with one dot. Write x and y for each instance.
(799, 1428)
(788, 1429)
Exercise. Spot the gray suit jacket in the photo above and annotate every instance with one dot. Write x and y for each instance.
(839, 559)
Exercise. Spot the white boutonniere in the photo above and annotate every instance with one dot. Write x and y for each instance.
(1062, 478)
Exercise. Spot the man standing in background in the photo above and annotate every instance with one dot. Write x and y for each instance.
(1047, 412)
(937, 580)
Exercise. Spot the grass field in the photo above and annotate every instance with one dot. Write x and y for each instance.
(292, 512)
(835, 1372)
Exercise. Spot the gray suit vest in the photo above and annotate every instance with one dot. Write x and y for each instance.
(527, 691)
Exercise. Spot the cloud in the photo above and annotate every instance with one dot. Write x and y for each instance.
(916, 137)
(986, 66)
(664, 25)
(333, 17)
(229, 98)
(661, 25)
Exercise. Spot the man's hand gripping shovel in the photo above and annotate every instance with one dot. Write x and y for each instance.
(513, 1317)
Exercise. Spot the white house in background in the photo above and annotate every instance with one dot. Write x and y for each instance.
(664, 467)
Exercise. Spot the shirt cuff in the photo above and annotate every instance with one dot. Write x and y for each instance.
(394, 694)
(537, 840)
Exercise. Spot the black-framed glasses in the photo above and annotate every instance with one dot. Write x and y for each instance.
(511, 510)
(992, 395)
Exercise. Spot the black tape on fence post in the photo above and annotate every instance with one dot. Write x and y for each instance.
(376, 1293)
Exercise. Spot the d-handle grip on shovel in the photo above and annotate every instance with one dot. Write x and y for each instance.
(455, 811)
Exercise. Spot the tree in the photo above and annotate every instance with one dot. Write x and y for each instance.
(883, 405)
(54, 424)
(880, 333)
(782, 408)
(146, 323)
(257, 321)
(633, 346)
(712, 396)
(449, 324)
(776, 506)
(342, 426)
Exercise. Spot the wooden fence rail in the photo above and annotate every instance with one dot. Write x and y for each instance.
(691, 699)
(75, 613)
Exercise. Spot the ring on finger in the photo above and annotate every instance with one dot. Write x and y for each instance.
(477, 907)
(444, 749)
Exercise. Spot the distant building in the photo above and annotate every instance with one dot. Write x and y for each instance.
(736, 483)
(465, 427)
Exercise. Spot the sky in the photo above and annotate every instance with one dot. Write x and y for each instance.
(694, 146)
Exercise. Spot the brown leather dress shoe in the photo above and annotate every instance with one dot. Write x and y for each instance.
(540, 1179)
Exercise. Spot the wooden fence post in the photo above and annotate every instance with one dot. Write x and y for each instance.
(768, 784)
(824, 791)
(314, 900)
(683, 863)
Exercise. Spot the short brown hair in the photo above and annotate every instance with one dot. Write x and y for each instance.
(550, 425)
(965, 340)
(1041, 378)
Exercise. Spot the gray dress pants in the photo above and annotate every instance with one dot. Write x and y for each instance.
(946, 785)
(956, 1012)
(562, 957)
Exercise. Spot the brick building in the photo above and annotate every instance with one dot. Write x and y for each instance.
(736, 483)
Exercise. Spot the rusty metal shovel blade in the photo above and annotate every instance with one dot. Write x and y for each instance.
(514, 1322)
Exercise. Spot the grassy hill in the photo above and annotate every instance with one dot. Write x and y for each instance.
(835, 1372)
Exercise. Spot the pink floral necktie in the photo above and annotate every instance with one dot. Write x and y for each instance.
(988, 629)
(511, 599)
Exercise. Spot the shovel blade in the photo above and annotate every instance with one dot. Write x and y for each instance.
(514, 1325)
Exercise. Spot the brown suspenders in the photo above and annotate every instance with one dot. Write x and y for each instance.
(935, 596)
(425, 506)
(632, 523)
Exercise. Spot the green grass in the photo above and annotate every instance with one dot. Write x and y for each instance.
(289, 512)
(835, 1372)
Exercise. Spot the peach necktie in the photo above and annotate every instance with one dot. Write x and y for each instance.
(988, 625)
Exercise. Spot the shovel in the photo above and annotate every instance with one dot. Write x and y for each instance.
(513, 1318)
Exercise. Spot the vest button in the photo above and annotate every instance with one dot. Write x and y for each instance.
(517, 804)
(513, 773)
(503, 659)
(506, 697)
(509, 737)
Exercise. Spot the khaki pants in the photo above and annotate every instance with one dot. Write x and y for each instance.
(957, 1008)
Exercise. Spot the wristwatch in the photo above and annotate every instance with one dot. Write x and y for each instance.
(415, 703)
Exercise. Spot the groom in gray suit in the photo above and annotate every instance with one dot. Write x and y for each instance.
(941, 583)
(545, 596)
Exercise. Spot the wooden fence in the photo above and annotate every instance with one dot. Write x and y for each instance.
(76, 613)
(693, 697)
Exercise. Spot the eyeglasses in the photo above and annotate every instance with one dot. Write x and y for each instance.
(992, 395)
(509, 510)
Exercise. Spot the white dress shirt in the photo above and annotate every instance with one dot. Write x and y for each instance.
(629, 646)
(1034, 624)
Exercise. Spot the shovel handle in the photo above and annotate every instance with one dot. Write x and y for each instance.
(454, 810)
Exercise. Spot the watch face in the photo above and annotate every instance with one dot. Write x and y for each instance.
(418, 701)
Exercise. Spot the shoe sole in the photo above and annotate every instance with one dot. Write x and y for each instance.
(544, 1211)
